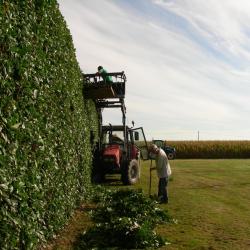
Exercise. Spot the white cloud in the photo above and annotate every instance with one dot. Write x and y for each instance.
(178, 79)
(224, 23)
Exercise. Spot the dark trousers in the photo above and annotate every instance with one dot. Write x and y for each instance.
(163, 189)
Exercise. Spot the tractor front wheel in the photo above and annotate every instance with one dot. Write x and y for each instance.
(170, 156)
(131, 172)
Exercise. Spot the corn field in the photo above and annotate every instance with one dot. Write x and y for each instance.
(211, 149)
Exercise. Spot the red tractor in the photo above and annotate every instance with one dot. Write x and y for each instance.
(120, 147)
(120, 150)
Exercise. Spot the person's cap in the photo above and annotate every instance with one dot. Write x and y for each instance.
(99, 67)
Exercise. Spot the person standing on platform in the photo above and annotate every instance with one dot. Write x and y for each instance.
(104, 74)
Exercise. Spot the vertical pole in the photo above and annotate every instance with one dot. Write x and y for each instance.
(99, 112)
(150, 178)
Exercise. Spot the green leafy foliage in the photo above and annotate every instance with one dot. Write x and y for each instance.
(125, 219)
(45, 124)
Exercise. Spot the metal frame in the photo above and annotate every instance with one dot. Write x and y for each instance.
(94, 81)
(119, 77)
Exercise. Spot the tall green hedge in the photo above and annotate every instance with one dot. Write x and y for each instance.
(45, 123)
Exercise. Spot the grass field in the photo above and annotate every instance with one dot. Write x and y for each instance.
(210, 199)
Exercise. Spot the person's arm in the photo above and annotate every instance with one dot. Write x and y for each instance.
(161, 163)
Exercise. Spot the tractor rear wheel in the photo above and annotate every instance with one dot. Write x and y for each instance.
(131, 172)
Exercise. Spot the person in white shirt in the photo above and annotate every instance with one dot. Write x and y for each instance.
(163, 171)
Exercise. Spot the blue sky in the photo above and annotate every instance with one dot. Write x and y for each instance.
(187, 62)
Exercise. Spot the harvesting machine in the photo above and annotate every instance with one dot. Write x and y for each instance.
(120, 147)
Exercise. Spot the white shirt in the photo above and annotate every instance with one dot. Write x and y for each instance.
(162, 164)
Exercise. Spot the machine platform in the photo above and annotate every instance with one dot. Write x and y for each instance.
(96, 88)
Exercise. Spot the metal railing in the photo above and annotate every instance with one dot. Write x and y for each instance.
(117, 77)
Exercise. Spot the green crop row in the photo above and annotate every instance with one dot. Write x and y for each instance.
(46, 125)
(211, 149)
(124, 219)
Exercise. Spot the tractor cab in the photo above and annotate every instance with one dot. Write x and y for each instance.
(124, 137)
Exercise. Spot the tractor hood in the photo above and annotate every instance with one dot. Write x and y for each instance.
(113, 151)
